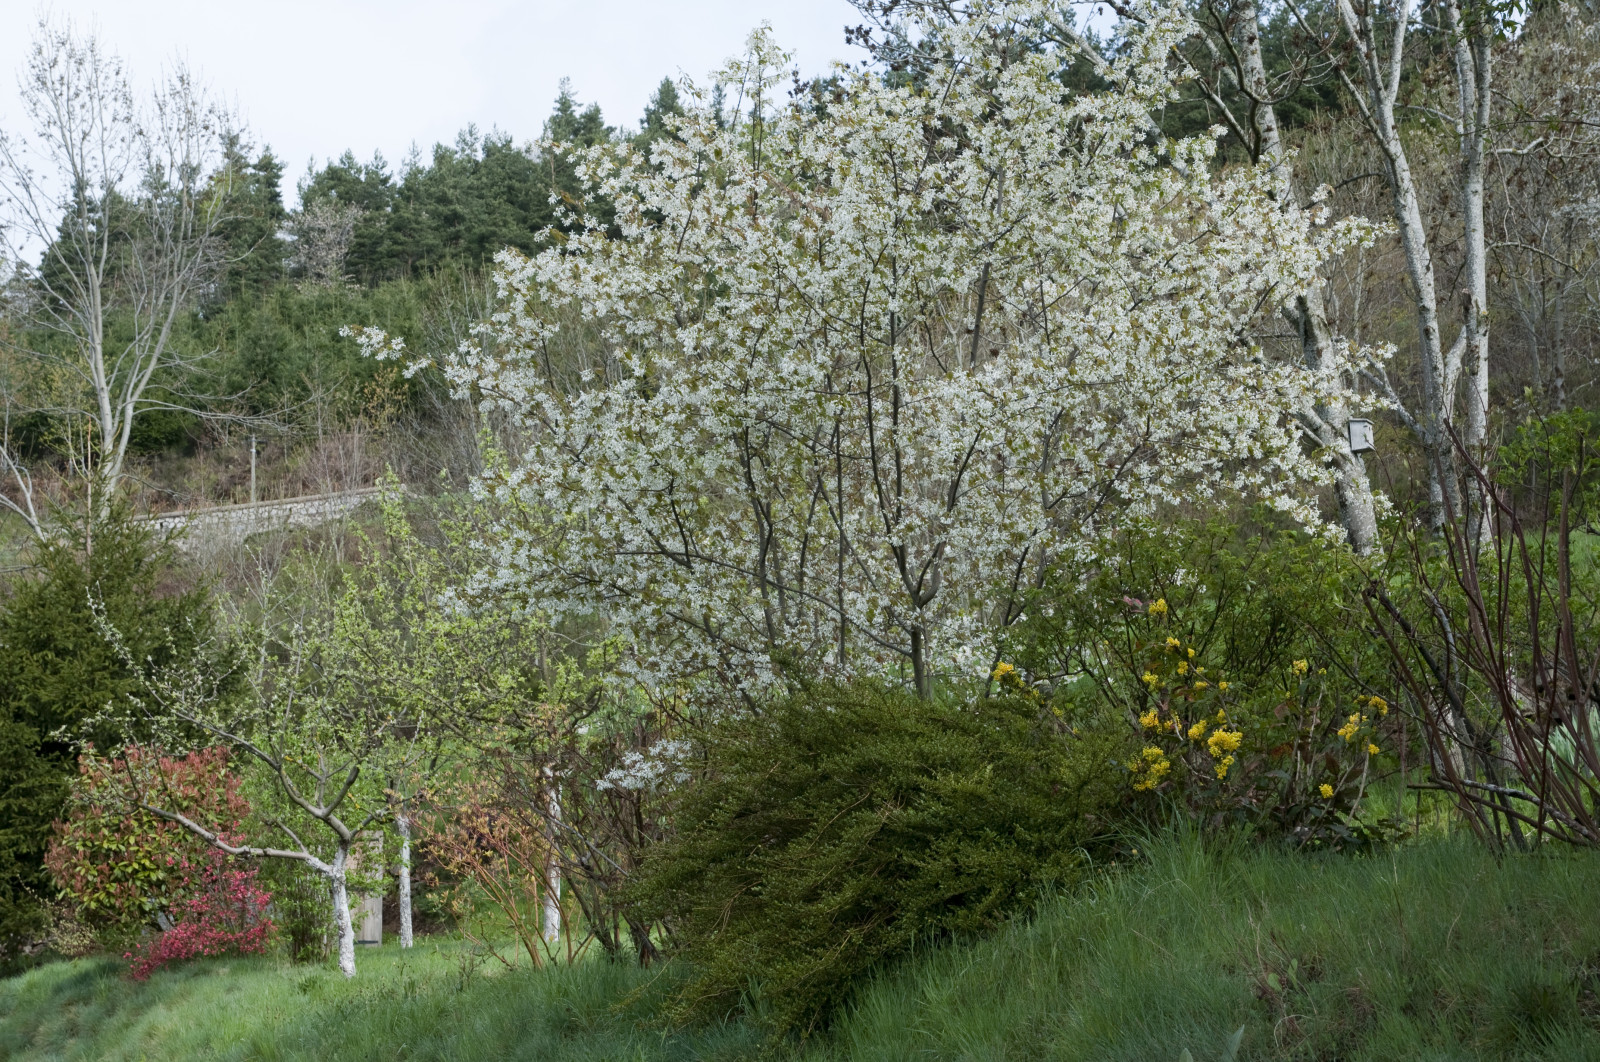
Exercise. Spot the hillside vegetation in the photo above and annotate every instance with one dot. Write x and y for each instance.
(1057, 540)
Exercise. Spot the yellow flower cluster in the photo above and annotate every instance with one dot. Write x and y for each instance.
(1352, 726)
(1224, 741)
(1149, 768)
(1300, 667)
(1158, 607)
(1151, 679)
(1151, 720)
(1198, 731)
(1326, 790)
(1376, 704)
(1222, 744)
(1010, 678)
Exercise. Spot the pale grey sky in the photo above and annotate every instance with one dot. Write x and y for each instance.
(314, 77)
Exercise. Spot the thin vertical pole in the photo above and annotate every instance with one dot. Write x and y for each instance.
(252, 470)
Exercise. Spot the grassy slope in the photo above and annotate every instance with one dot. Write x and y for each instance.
(1431, 952)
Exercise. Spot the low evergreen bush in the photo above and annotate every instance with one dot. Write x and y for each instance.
(844, 826)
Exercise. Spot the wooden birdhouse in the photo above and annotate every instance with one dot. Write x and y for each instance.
(1360, 434)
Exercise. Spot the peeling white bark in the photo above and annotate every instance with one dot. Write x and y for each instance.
(552, 883)
(1377, 97)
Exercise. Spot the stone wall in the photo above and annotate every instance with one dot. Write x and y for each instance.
(232, 524)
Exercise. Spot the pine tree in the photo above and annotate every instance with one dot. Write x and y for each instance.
(252, 234)
(664, 104)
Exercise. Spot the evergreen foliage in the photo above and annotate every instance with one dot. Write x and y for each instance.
(844, 826)
(56, 671)
(470, 200)
(664, 105)
(255, 249)
(282, 348)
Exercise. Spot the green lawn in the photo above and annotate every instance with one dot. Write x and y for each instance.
(1434, 951)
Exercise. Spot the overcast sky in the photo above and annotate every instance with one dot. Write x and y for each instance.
(314, 77)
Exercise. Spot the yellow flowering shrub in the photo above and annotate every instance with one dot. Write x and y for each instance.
(1149, 768)
(1229, 647)
(1271, 753)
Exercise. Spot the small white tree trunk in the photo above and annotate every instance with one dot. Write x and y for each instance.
(402, 825)
(552, 904)
(341, 913)
(1357, 512)
(552, 881)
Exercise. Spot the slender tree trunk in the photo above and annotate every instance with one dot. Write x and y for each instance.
(1328, 424)
(402, 824)
(919, 665)
(1473, 44)
(1380, 74)
(552, 880)
(341, 912)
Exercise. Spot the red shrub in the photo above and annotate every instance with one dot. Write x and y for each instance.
(126, 870)
(225, 914)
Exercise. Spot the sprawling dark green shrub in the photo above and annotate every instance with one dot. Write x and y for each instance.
(845, 825)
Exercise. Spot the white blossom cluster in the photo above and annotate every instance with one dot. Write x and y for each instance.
(856, 374)
(647, 771)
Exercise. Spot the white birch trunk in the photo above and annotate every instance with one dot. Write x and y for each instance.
(1440, 368)
(1473, 58)
(1327, 424)
(552, 881)
(402, 825)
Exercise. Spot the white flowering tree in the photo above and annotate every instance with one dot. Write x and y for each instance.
(857, 374)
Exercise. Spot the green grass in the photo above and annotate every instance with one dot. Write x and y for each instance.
(1434, 951)
(420, 1004)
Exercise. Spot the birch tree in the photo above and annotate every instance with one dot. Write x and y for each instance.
(864, 374)
(1453, 374)
(118, 198)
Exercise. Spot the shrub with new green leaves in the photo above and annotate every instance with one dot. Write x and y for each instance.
(844, 826)
(1242, 657)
